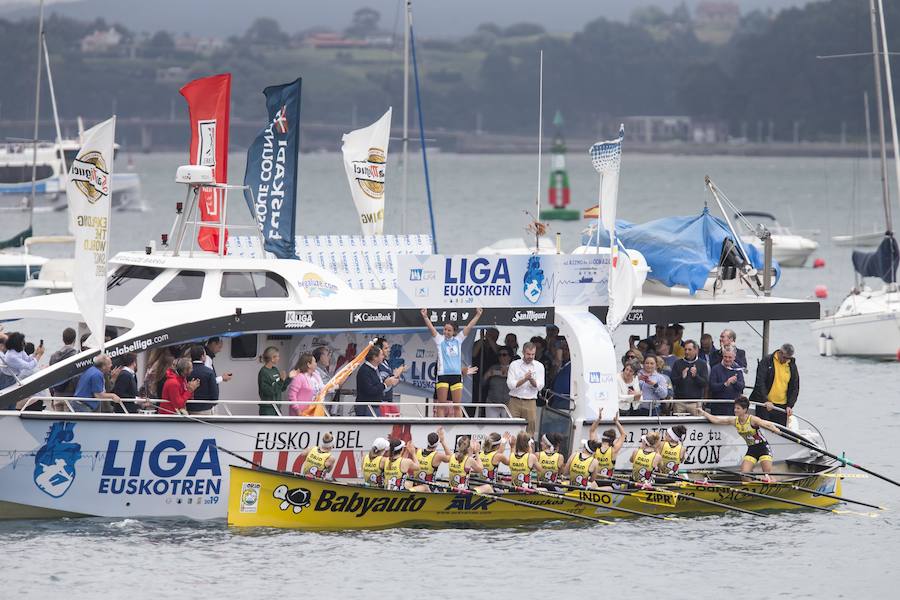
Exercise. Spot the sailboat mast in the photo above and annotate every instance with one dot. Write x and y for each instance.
(62, 155)
(407, 16)
(537, 197)
(891, 105)
(879, 107)
(37, 111)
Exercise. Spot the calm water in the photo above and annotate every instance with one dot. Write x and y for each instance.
(478, 199)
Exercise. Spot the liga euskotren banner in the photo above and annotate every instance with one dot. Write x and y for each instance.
(88, 193)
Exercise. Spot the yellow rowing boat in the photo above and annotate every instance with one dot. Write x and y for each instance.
(266, 498)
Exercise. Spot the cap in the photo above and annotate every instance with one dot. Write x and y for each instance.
(380, 444)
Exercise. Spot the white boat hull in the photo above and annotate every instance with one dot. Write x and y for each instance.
(788, 250)
(866, 324)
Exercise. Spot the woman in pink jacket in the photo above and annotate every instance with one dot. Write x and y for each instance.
(305, 386)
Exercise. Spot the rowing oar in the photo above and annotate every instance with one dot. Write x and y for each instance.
(778, 473)
(548, 494)
(689, 497)
(676, 481)
(466, 491)
(793, 487)
(796, 437)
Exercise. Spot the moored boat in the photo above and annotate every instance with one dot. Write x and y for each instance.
(269, 498)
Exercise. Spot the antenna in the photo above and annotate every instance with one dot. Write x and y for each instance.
(537, 196)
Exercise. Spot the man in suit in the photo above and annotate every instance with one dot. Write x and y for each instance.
(726, 382)
(728, 338)
(208, 389)
(369, 385)
(125, 386)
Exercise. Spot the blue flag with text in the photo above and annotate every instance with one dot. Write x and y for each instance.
(271, 172)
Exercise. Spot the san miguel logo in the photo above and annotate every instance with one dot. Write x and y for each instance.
(369, 173)
(90, 175)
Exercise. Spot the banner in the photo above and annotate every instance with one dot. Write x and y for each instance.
(502, 281)
(88, 192)
(365, 161)
(271, 172)
(209, 102)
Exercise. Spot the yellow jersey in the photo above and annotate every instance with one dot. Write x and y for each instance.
(488, 468)
(373, 472)
(752, 435)
(642, 468)
(426, 465)
(459, 476)
(393, 474)
(671, 458)
(778, 392)
(580, 470)
(314, 465)
(519, 469)
(549, 465)
(606, 463)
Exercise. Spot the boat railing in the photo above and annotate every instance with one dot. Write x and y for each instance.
(223, 408)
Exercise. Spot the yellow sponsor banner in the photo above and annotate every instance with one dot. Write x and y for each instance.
(658, 498)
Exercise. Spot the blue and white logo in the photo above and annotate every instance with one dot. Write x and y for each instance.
(534, 280)
(54, 462)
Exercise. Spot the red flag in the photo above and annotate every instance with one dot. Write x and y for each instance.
(209, 102)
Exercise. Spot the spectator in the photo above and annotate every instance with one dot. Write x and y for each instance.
(633, 354)
(512, 342)
(706, 348)
(728, 338)
(675, 337)
(484, 356)
(629, 388)
(178, 388)
(561, 387)
(661, 333)
(690, 376)
(525, 379)
(661, 369)
(125, 386)
(494, 382)
(16, 361)
(726, 382)
(542, 355)
(305, 385)
(159, 361)
(322, 354)
(208, 388)
(271, 382)
(92, 384)
(68, 350)
(778, 385)
(664, 351)
(654, 388)
(5, 380)
(213, 347)
(387, 407)
(449, 363)
(370, 386)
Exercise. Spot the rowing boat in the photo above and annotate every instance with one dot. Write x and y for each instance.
(270, 498)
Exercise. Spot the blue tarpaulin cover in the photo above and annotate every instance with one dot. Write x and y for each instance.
(880, 263)
(679, 250)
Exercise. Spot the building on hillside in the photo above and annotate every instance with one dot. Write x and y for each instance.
(101, 42)
(715, 21)
(172, 75)
(675, 128)
(333, 40)
(204, 46)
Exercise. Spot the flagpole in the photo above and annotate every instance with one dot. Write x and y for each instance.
(62, 155)
(537, 197)
(37, 111)
(406, 25)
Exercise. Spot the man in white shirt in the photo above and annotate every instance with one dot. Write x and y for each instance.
(525, 379)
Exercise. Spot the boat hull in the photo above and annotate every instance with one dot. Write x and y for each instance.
(264, 498)
(871, 335)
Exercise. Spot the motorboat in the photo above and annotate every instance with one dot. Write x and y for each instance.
(788, 248)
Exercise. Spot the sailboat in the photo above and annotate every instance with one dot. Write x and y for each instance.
(867, 323)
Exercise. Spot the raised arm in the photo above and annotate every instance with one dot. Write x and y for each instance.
(757, 422)
(592, 433)
(468, 328)
(620, 439)
(717, 420)
(428, 323)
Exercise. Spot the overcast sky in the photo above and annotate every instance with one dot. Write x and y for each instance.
(432, 17)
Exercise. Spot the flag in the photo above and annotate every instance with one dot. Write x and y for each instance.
(271, 172)
(88, 193)
(316, 409)
(607, 158)
(365, 161)
(209, 101)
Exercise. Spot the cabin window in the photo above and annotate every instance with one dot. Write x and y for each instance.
(127, 282)
(22, 173)
(187, 285)
(244, 346)
(252, 284)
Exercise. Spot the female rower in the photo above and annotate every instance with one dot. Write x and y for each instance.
(430, 458)
(550, 461)
(449, 364)
(373, 464)
(582, 465)
(492, 454)
(645, 460)
(399, 463)
(318, 460)
(748, 427)
(522, 461)
(672, 450)
(608, 447)
(463, 461)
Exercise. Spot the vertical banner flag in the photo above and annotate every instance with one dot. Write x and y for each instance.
(88, 193)
(209, 105)
(271, 172)
(607, 158)
(365, 160)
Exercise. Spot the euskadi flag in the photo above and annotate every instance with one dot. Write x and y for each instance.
(209, 105)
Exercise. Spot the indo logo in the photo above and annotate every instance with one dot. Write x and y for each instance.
(54, 462)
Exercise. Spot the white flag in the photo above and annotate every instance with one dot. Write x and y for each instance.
(365, 160)
(88, 191)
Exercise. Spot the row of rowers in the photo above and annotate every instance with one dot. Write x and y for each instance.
(396, 465)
